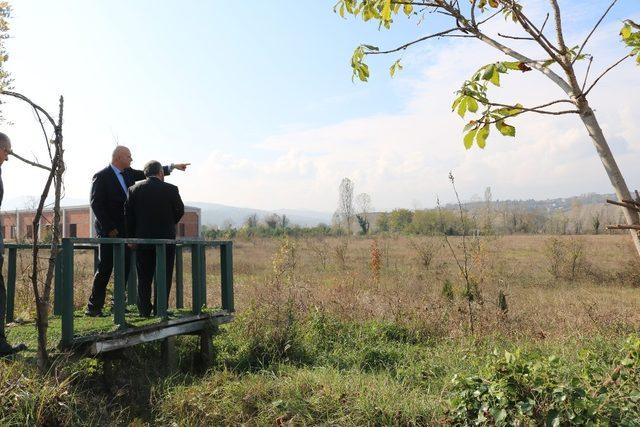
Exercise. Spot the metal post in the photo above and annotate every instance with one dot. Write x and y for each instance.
(179, 278)
(132, 282)
(161, 280)
(226, 272)
(195, 279)
(11, 283)
(203, 275)
(67, 282)
(57, 286)
(96, 259)
(119, 290)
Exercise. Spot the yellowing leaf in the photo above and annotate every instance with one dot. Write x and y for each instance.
(472, 104)
(469, 137)
(481, 138)
(408, 9)
(386, 10)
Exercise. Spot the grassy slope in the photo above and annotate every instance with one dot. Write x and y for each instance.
(330, 345)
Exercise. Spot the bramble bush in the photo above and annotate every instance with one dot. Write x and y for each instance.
(515, 390)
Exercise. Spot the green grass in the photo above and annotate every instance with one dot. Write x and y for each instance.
(303, 369)
(83, 326)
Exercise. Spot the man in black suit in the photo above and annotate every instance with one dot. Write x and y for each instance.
(109, 191)
(152, 211)
(5, 348)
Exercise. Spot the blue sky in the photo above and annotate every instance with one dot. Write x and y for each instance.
(258, 97)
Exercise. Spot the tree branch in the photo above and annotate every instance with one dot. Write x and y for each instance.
(584, 94)
(33, 105)
(593, 30)
(406, 45)
(38, 165)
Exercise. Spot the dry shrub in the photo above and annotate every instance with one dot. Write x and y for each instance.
(341, 253)
(426, 249)
(376, 261)
(566, 258)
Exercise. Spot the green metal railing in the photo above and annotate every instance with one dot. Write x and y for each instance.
(125, 291)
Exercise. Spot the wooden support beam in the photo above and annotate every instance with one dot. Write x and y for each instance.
(624, 205)
(151, 333)
(168, 354)
(623, 227)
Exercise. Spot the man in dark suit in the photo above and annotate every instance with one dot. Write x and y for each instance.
(152, 211)
(109, 191)
(5, 348)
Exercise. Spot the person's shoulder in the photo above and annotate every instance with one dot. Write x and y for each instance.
(102, 172)
(170, 186)
(135, 187)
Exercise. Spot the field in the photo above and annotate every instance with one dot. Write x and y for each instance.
(385, 332)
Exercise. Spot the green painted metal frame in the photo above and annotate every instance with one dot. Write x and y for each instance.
(125, 291)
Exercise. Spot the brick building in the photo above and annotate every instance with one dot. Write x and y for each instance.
(77, 221)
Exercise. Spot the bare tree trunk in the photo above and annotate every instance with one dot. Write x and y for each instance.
(611, 167)
(43, 298)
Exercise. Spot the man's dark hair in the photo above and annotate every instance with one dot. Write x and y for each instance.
(152, 168)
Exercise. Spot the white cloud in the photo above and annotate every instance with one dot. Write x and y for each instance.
(405, 157)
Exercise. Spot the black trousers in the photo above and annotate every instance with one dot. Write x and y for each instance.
(146, 264)
(3, 300)
(103, 274)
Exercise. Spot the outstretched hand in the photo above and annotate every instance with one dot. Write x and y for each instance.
(181, 166)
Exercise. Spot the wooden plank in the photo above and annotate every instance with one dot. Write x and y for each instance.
(179, 278)
(144, 337)
(78, 341)
(67, 293)
(168, 355)
(624, 205)
(11, 284)
(623, 227)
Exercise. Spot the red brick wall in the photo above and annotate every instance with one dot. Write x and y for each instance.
(80, 217)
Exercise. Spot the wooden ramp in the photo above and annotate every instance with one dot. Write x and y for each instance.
(109, 341)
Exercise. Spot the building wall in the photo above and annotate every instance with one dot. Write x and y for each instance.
(79, 218)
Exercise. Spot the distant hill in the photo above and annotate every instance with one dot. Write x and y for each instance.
(565, 204)
(214, 214)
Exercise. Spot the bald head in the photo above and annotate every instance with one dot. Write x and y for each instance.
(5, 147)
(121, 157)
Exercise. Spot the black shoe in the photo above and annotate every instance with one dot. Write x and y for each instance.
(7, 349)
(90, 312)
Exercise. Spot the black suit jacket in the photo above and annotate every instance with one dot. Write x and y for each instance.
(153, 209)
(108, 198)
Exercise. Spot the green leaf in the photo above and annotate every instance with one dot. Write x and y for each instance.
(481, 138)
(396, 66)
(462, 106)
(512, 65)
(469, 137)
(373, 48)
(386, 10)
(495, 77)
(488, 72)
(472, 104)
(505, 129)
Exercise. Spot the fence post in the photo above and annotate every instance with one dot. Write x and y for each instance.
(226, 272)
(161, 280)
(11, 283)
(179, 278)
(67, 282)
(57, 285)
(195, 279)
(203, 275)
(119, 285)
(96, 258)
(132, 282)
